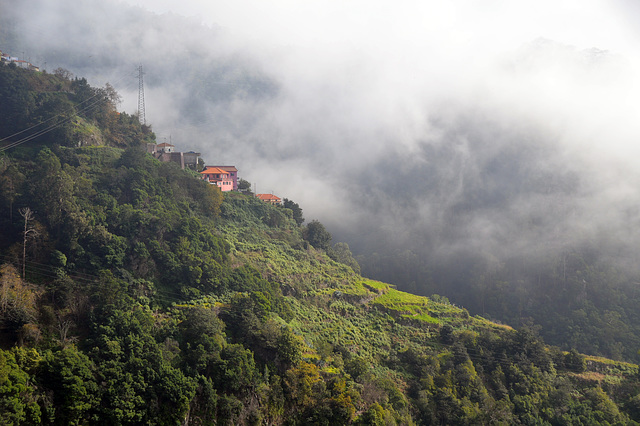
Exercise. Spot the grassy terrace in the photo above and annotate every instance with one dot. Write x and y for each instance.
(407, 305)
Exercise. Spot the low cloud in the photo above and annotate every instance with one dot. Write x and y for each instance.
(439, 127)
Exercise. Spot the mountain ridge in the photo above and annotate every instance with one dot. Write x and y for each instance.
(151, 297)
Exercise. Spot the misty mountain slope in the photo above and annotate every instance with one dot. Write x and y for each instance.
(149, 296)
(454, 162)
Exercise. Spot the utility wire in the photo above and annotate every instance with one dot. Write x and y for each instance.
(58, 124)
(58, 115)
(45, 130)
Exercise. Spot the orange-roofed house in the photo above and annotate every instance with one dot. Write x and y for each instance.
(233, 174)
(269, 198)
(217, 176)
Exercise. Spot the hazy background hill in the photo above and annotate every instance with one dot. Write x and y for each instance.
(460, 151)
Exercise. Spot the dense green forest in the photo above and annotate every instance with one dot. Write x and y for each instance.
(133, 292)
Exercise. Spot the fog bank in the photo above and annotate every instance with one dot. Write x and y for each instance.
(502, 129)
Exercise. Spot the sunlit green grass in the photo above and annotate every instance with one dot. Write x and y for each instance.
(377, 286)
(406, 305)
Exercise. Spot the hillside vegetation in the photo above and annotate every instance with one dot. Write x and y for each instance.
(133, 292)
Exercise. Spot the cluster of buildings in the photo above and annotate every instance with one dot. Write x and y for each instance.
(224, 177)
(167, 153)
(19, 62)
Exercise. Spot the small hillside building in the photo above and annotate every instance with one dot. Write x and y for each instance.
(191, 159)
(233, 174)
(269, 198)
(219, 177)
(165, 147)
(166, 153)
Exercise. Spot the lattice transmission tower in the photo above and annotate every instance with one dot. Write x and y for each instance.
(141, 116)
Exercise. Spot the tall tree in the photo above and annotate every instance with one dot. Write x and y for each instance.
(317, 235)
(28, 233)
(295, 208)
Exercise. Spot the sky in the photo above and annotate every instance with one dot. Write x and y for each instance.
(330, 21)
(457, 27)
(495, 125)
(377, 64)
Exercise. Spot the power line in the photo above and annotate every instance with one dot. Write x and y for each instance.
(46, 129)
(56, 125)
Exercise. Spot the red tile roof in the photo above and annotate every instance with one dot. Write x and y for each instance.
(268, 197)
(215, 170)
